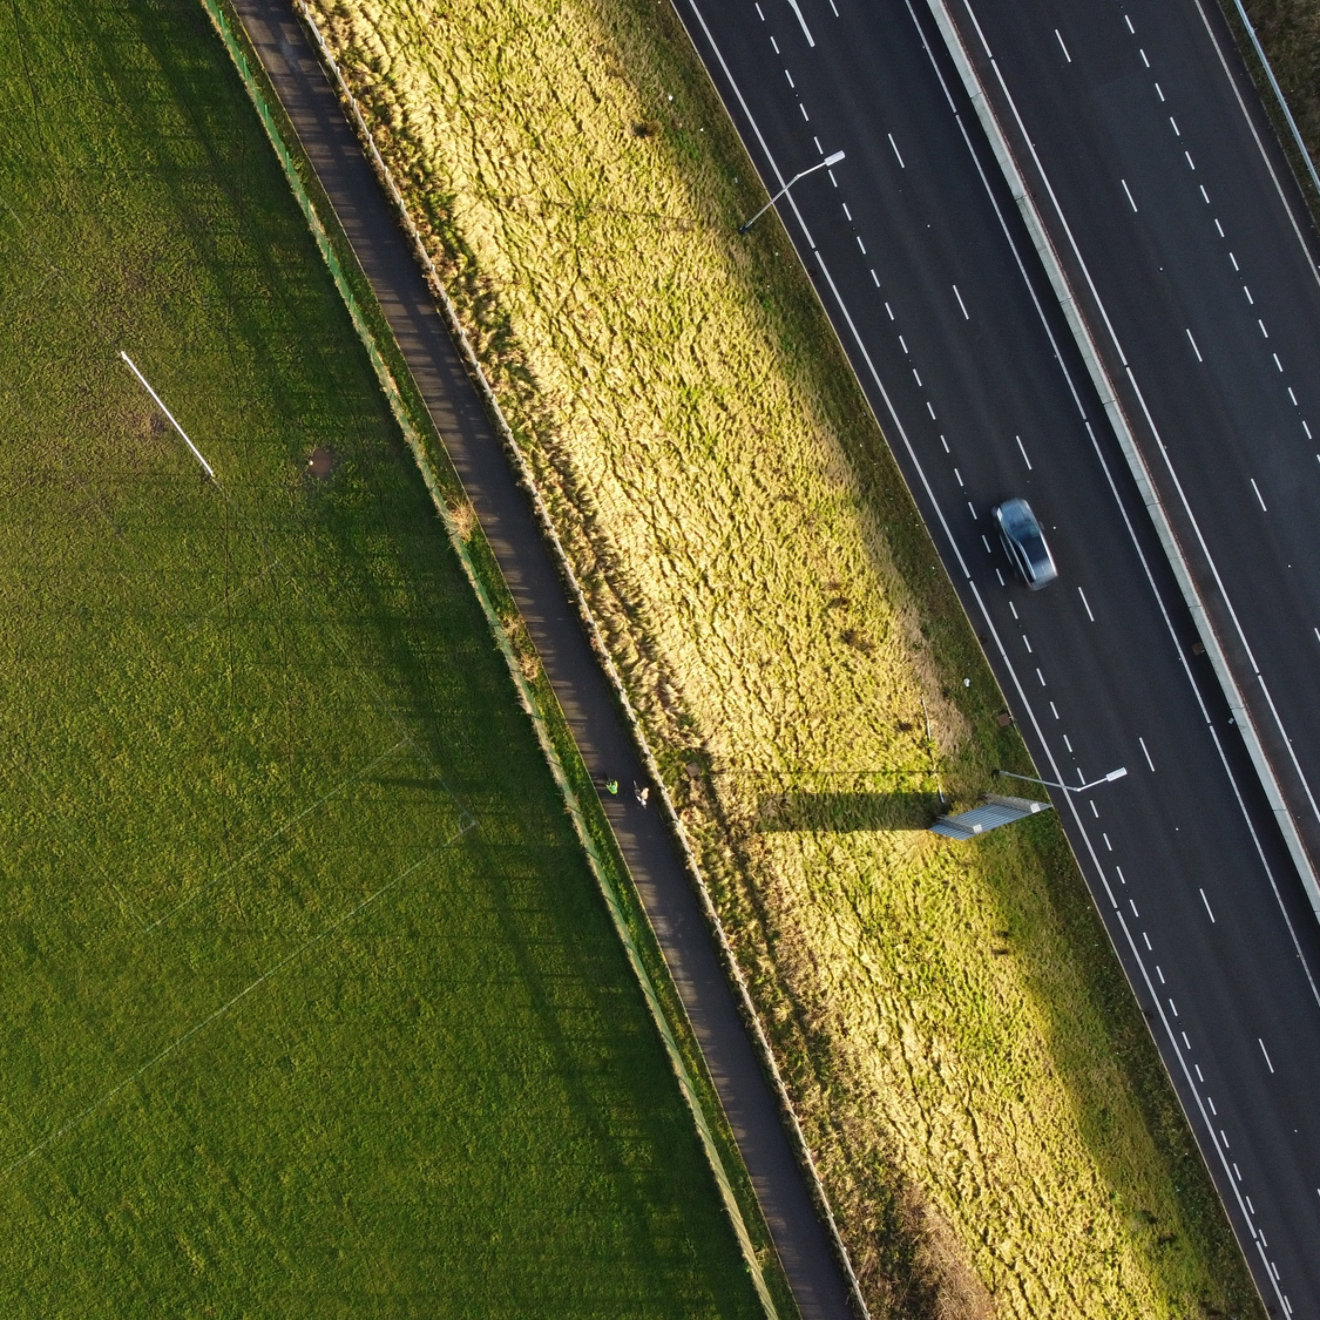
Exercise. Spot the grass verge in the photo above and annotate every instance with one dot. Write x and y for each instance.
(1289, 34)
(995, 1132)
(313, 1005)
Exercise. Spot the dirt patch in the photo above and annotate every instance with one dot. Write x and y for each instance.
(322, 463)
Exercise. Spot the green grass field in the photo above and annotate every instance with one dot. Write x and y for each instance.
(991, 1121)
(311, 1005)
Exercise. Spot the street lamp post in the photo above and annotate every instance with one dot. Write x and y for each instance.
(801, 174)
(1068, 788)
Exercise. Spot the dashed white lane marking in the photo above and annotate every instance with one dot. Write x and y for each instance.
(1062, 47)
(930, 408)
(1146, 937)
(962, 305)
(1067, 742)
(1263, 331)
(1026, 641)
(1173, 1006)
(916, 375)
(1012, 609)
(1256, 488)
(1268, 1064)
(1187, 1044)
(760, 14)
(875, 279)
(803, 108)
(945, 443)
(1219, 227)
(1292, 396)
(775, 45)
(1195, 350)
(1086, 604)
(985, 541)
(861, 245)
(1146, 754)
(1210, 1104)
(1205, 196)
(1233, 259)
(956, 473)
(1118, 870)
(847, 213)
(1159, 91)
(1159, 973)
(1054, 710)
(806, 31)
(971, 508)
(1130, 28)
(1177, 132)
(1247, 291)
(897, 153)
(1040, 676)
(1144, 60)
(1191, 164)
(1306, 427)
(1201, 1079)
(889, 310)
(1277, 363)
(1128, 191)
(793, 85)
(1023, 448)
(1206, 901)
(902, 343)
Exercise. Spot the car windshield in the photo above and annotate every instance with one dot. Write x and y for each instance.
(1033, 545)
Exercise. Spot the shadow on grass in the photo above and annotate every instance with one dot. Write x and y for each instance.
(846, 812)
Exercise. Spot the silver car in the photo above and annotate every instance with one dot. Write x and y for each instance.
(1024, 543)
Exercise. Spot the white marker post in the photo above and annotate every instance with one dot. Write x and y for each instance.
(195, 451)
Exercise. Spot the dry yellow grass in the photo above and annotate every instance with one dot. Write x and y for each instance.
(986, 1110)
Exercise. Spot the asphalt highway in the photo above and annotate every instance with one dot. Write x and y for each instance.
(1162, 186)
(920, 259)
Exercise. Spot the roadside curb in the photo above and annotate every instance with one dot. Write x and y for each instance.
(1104, 386)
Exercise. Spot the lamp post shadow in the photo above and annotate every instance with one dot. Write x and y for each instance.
(843, 813)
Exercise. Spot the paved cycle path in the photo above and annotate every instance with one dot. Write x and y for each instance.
(654, 859)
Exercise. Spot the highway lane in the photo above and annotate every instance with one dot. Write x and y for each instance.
(924, 268)
(1179, 204)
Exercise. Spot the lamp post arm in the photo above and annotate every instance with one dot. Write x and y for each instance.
(801, 174)
(1068, 788)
